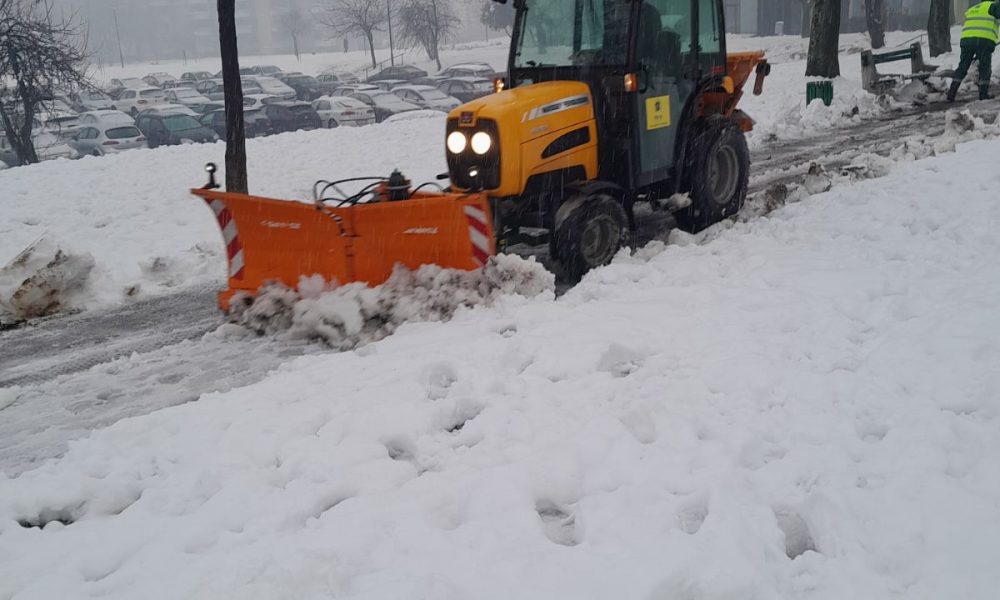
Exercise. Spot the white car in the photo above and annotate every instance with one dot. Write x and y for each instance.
(159, 79)
(273, 87)
(468, 70)
(134, 100)
(98, 140)
(91, 100)
(185, 96)
(105, 117)
(61, 123)
(426, 96)
(258, 100)
(339, 111)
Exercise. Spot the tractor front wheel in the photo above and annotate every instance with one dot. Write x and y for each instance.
(590, 234)
(718, 171)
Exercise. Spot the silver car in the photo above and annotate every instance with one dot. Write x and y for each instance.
(101, 139)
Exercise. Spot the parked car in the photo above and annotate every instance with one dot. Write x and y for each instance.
(406, 72)
(291, 116)
(169, 129)
(429, 80)
(210, 88)
(347, 90)
(258, 100)
(244, 72)
(426, 96)
(185, 96)
(475, 69)
(105, 117)
(159, 79)
(204, 109)
(270, 70)
(387, 85)
(180, 83)
(134, 100)
(48, 146)
(466, 89)
(107, 139)
(62, 123)
(336, 79)
(273, 87)
(167, 108)
(255, 122)
(343, 111)
(250, 85)
(116, 86)
(90, 100)
(385, 104)
(306, 87)
(195, 76)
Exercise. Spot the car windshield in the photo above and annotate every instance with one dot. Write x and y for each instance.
(390, 100)
(433, 95)
(180, 123)
(118, 133)
(151, 93)
(598, 34)
(253, 112)
(482, 86)
(303, 80)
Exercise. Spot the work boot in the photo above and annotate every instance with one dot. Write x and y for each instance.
(953, 90)
(984, 93)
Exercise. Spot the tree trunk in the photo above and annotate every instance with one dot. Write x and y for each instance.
(232, 87)
(20, 137)
(939, 27)
(875, 15)
(824, 40)
(371, 47)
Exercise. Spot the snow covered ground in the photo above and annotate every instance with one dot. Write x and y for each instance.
(802, 405)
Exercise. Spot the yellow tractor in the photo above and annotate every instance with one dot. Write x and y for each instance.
(605, 104)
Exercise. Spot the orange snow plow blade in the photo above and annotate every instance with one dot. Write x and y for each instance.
(270, 241)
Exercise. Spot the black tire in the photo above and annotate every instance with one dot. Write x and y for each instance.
(595, 229)
(717, 174)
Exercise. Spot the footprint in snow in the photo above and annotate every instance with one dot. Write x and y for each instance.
(558, 523)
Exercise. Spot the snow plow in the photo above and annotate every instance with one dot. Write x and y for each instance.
(632, 101)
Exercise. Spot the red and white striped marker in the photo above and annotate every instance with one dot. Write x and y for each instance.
(234, 249)
(479, 234)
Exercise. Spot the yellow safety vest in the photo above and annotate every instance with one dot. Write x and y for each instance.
(979, 23)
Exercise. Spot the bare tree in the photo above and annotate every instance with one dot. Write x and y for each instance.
(295, 23)
(939, 27)
(875, 15)
(355, 17)
(39, 53)
(427, 23)
(824, 39)
(232, 89)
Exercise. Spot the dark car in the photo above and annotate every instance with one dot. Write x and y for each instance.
(170, 129)
(306, 87)
(404, 72)
(291, 116)
(255, 122)
(466, 89)
(385, 104)
(195, 76)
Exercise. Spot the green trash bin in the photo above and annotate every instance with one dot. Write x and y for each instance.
(819, 89)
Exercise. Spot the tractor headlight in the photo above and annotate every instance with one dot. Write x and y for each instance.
(481, 142)
(456, 142)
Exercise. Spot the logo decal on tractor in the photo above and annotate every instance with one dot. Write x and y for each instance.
(557, 106)
(657, 112)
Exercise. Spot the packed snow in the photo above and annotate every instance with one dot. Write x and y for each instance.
(801, 405)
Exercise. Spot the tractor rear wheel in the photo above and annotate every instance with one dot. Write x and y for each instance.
(590, 234)
(718, 171)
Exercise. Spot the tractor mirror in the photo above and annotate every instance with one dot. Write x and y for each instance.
(441, 176)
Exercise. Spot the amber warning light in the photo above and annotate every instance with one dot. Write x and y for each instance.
(630, 85)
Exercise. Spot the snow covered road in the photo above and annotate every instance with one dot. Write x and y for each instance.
(803, 405)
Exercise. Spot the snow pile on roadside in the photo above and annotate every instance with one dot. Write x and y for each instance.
(351, 315)
(803, 406)
(43, 279)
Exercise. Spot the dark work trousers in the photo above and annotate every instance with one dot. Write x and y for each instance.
(982, 51)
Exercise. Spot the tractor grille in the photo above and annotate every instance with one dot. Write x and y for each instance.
(487, 165)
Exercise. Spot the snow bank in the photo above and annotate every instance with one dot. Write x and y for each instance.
(41, 280)
(350, 315)
(802, 406)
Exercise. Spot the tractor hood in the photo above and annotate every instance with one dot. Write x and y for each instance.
(530, 111)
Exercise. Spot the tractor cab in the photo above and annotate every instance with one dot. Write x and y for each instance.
(642, 61)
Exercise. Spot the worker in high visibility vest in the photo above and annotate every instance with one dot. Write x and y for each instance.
(979, 37)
